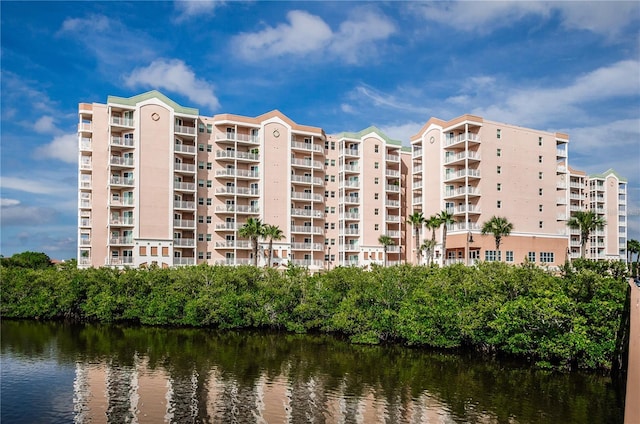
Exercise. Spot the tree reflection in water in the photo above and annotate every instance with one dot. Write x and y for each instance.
(145, 374)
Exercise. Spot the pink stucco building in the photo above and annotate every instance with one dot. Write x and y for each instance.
(161, 184)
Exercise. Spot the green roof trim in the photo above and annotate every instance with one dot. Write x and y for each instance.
(132, 101)
(608, 172)
(358, 135)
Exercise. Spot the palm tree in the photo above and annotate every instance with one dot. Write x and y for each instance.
(385, 241)
(253, 229)
(499, 227)
(428, 246)
(633, 247)
(445, 218)
(586, 222)
(416, 219)
(272, 232)
(432, 223)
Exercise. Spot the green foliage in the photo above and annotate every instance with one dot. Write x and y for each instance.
(569, 319)
(31, 260)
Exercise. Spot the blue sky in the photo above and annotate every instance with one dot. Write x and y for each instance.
(565, 66)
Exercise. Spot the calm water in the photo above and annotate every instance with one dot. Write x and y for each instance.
(60, 373)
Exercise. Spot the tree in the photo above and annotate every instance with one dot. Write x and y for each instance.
(385, 241)
(445, 218)
(271, 233)
(416, 219)
(253, 229)
(428, 246)
(32, 260)
(432, 223)
(586, 222)
(499, 227)
(633, 247)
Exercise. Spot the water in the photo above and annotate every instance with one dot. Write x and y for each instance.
(61, 373)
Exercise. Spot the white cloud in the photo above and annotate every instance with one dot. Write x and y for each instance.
(63, 147)
(346, 108)
(306, 34)
(93, 23)
(45, 125)
(195, 8)
(367, 94)
(606, 18)
(4, 202)
(42, 186)
(402, 132)
(175, 76)
(27, 215)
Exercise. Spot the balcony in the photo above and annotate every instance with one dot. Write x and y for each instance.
(462, 226)
(462, 138)
(122, 260)
(184, 223)
(561, 201)
(417, 169)
(307, 163)
(351, 216)
(307, 246)
(462, 192)
(180, 186)
(116, 180)
(350, 152)
(85, 204)
(184, 242)
(85, 164)
(299, 195)
(181, 129)
(305, 229)
(350, 183)
(417, 200)
(392, 187)
(117, 141)
(307, 213)
(561, 186)
(240, 138)
(309, 147)
(351, 169)
(561, 217)
(184, 167)
(184, 148)
(85, 261)
(417, 185)
(392, 203)
(85, 127)
(561, 153)
(417, 153)
(85, 222)
(350, 232)
(239, 173)
(459, 158)
(226, 226)
(121, 222)
(238, 209)
(393, 234)
(392, 158)
(472, 209)
(122, 122)
(233, 244)
(392, 173)
(120, 241)
(242, 191)
(233, 154)
(184, 261)
(85, 242)
(128, 202)
(85, 185)
(561, 169)
(460, 175)
(121, 161)
(351, 247)
(308, 263)
(85, 144)
(177, 204)
(350, 200)
(307, 180)
(392, 218)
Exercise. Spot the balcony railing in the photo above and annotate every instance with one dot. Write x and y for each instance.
(351, 216)
(392, 158)
(350, 152)
(417, 169)
(307, 163)
(461, 156)
(116, 180)
(121, 260)
(85, 242)
(184, 148)
(184, 223)
(237, 173)
(352, 183)
(178, 185)
(462, 173)
(252, 139)
(307, 229)
(233, 244)
(417, 184)
(392, 187)
(125, 122)
(311, 213)
(353, 200)
(461, 138)
(351, 168)
(417, 200)
(121, 141)
(307, 146)
(237, 208)
(393, 234)
(308, 263)
(307, 246)
(392, 173)
(85, 126)
(120, 240)
(177, 204)
(184, 261)
(462, 191)
(351, 231)
(463, 226)
(85, 222)
(185, 130)
(392, 203)
(307, 179)
(561, 153)
(85, 144)
(121, 161)
(238, 190)
(233, 154)
(464, 209)
(128, 221)
(299, 195)
(230, 226)
(184, 242)
(85, 185)
(184, 167)
(392, 218)
(416, 153)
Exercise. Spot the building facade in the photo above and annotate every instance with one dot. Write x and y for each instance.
(161, 184)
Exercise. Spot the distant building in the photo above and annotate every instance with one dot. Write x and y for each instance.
(161, 184)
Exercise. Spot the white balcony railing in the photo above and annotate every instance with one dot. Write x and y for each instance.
(117, 180)
(121, 240)
(184, 242)
(233, 154)
(184, 186)
(177, 204)
(307, 246)
(185, 130)
(307, 229)
(299, 195)
(461, 138)
(184, 148)
(392, 158)
(121, 221)
(351, 216)
(307, 146)
(462, 191)
(120, 121)
(184, 223)
(184, 167)
(307, 163)
(121, 161)
(392, 187)
(310, 213)
(184, 261)
(231, 172)
(122, 141)
(307, 179)
(245, 138)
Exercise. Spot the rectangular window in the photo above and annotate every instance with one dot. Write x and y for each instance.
(546, 257)
(531, 256)
(539, 159)
(333, 209)
(499, 169)
(200, 165)
(492, 255)
(154, 250)
(143, 250)
(209, 128)
(200, 237)
(539, 208)
(326, 178)
(509, 256)
(200, 219)
(201, 147)
(200, 183)
(540, 224)
(165, 251)
(375, 196)
(333, 162)
(498, 134)
(326, 225)
(209, 148)
(376, 180)
(333, 225)
(375, 148)
(499, 204)
(540, 192)
(333, 178)
(333, 194)
(201, 201)
(208, 201)
(376, 165)
(208, 219)
(539, 175)
(499, 152)
(200, 127)
(208, 165)
(326, 145)
(376, 211)
(200, 255)
(333, 145)
(376, 227)
(326, 194)
(209, 183)
(326, 162)
(208, 237)
(499, 187)
(539, 141)
(326, 209)
(208, 255)
(333, 242)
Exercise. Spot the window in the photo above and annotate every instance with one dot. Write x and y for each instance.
(200, 127)
(326, 209)
(200, 219)
(326, 162)
(326, 178)
(165, 251)
(200, 237)
(499, 187)
(539, 175)
(200, 183)
(540, 224)
(509, 256)
(208, 219)
(499, 152)
(492, 255)
(201, 201)
(546, 257)
(539, 159)
(333, 145)
(208, 237)
(376, 180)
(209, 183)
(154, 250)
(376, 165)
(209, 128)
(539, 141)
(200, 255)
(208, 255)
(498, 134)
(499, 169)
(499, 204)
(209, 148)
(333, 162)
(539, 208)
(201, 147)
(333, 225)
(375, 148)
(531, 256)
(208, 201)
(376, 211)
(376, 227)
(326, 194)
(375, 196)
(333, 178)
(540, 192)
(200, 165)
(333, 194)
(143, 250)
(333, 242)
(208, 165)
(333, 209)
(326, 225)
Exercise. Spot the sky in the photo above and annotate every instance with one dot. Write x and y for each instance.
(568, 66)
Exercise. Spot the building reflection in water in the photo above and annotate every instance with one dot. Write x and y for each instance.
(117, 392)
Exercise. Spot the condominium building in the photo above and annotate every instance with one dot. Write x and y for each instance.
(161, 184)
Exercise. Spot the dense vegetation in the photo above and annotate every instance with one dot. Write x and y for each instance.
(566, 320)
